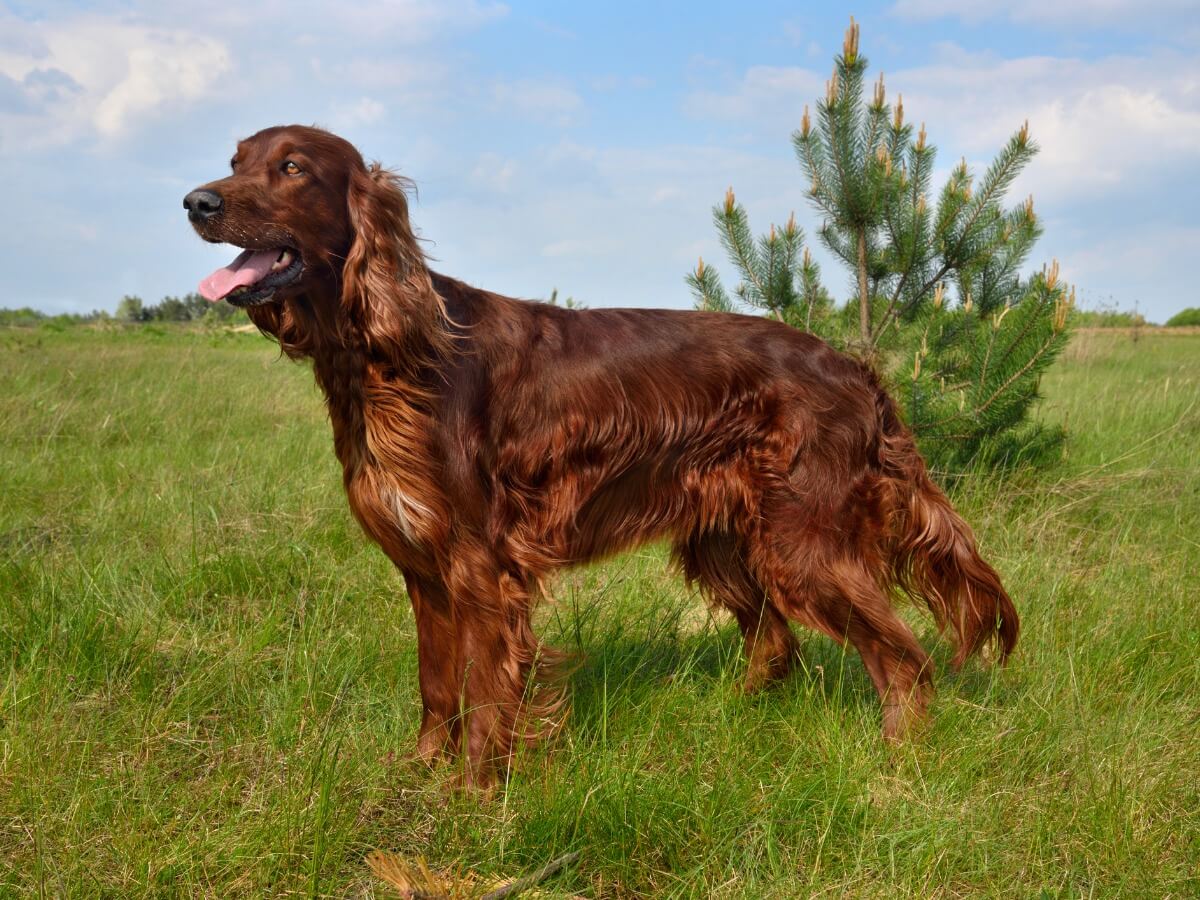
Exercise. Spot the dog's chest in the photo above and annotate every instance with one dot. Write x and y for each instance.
(381, 439)
(407, 512)
(390, 512)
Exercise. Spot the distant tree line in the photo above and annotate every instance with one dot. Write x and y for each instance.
(26, 317)
(1108, 318)
(131, 308)
(188, 308)
(1117, 318)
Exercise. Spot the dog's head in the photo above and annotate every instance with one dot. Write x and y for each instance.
(311, 218)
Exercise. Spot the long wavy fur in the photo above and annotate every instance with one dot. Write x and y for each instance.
(933, 554)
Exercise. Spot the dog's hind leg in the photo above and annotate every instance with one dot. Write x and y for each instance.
(819, 581)
(716, 563)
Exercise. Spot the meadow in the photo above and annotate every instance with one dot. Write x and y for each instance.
(208, 675)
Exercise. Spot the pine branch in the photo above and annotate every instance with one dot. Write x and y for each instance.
(979, 410)
(1043, 285)
(737, 240)
(707, 289)
(1000, 175)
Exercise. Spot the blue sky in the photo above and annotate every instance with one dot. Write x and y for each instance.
(582, 146)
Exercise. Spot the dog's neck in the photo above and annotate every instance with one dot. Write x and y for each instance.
(404, 328)
(371, 362)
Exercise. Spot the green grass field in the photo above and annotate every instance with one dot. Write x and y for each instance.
(209, 685)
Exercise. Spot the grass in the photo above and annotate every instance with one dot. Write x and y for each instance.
(208, 675)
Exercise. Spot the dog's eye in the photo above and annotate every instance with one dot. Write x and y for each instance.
(290, 168)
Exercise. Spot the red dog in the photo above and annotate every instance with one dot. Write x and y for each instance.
(487, 442)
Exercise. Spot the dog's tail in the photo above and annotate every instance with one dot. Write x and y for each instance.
(932, 550)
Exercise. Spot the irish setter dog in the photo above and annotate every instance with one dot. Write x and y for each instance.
(487, 442)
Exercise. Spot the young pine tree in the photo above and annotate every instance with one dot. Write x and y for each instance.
(940, 305)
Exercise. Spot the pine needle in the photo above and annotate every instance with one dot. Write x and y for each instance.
(411, 881)
(416, 881)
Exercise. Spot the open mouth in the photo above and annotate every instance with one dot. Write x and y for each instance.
(253, 277)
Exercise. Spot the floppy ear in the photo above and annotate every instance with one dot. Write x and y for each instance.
(386, 291)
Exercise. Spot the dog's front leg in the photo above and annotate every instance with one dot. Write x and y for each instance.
(501, 663)
(438, 668)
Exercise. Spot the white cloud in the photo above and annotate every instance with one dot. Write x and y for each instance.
(613, 82)
(89, 76)
(318, 22)
(610, 226)
(1147, 250)
(1097, 122)
(66, 77)
(381, 72)
(493, 173)
(161, 69)
(1077, 13)
(767, 93)
(576, 248)
(665, 194)
(365, 111)
(416, 83)
(413, 20)
(543, 101)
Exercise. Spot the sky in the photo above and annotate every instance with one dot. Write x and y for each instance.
(583, 146)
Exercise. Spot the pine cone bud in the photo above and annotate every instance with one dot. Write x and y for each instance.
(1051, 275)
(850, 45)
(1062, 306)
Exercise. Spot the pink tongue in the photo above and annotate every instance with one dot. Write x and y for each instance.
(251, 266)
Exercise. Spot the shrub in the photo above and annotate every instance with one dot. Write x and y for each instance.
(131, 309)
(1189, 316)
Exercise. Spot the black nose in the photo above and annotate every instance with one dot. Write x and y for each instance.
(202, 205)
